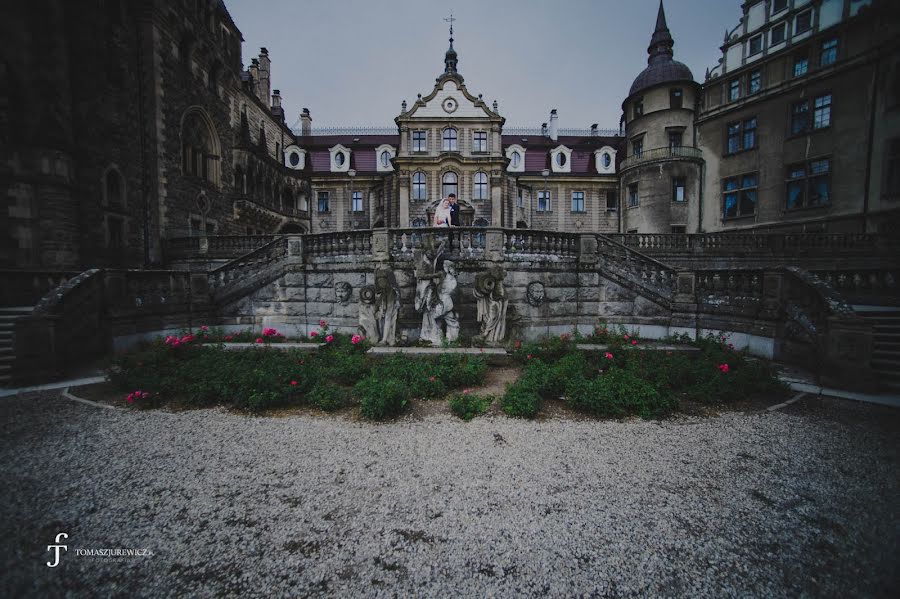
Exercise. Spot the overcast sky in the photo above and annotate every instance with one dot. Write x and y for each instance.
(352, 62)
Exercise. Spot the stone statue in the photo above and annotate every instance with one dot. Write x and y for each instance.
(342, 292)
(492, 303)
(387, 305)
(368, 326)
(535, 293)
(434, 299)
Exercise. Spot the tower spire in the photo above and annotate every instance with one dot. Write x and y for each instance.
(661, 43)
(450, 58)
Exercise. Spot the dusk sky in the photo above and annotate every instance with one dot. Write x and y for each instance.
(353, 62)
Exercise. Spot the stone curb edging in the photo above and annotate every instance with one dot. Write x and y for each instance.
(884, 400)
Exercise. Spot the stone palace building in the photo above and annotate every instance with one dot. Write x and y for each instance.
(150, 178)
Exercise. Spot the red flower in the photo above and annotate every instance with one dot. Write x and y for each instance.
(625, 337)
(609, 356)
(259, 339)
(293, 383)
(634, 342)
(529, 356)
(229, 337)
(329, 338)
(724, 368)
(518, 343)
(314, 334)
(431, 378)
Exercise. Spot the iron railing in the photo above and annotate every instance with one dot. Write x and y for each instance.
(538, 132)
(321, 131)
(667, 153)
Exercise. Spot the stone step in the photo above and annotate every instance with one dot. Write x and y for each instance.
(19, 310)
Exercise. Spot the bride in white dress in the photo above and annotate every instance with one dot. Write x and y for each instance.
(442, 214)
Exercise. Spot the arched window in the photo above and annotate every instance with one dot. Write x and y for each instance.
(420, 189)
(450, 137)
(385, 159)
(113, 189)
(480, 186)
(200, 146)
(516, 159)
(449, 184)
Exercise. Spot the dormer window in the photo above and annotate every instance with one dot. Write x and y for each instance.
(449, 140)
(294, 158)
(515, 159)
(340, 159)
(516, 155)
(605, 160)
(561, 159)
(384, 154)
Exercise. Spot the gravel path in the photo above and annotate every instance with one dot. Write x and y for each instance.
(797, 502)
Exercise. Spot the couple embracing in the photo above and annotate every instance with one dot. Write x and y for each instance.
(447, 212)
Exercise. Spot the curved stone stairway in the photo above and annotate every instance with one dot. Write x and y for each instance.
(886, 343)
(8, 318)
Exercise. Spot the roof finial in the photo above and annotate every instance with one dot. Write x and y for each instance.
(450, 20)
(661, 43)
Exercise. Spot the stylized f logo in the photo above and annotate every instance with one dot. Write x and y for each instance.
(55, 549)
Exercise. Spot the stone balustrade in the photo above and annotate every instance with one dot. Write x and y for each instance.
(27, 287)
(214, 246)
(736, 243)
(632, 266)
(344, 243)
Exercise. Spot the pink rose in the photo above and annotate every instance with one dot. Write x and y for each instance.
(634, 342)
(329, 338)
(323, 323)
(314, 334)
(293, 383)
(724, 368)
(608, 356)
(259, 339)
(204, 328)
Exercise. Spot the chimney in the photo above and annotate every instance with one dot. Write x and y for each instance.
(265, 80)
(543, 129)
(403, 107)
(594, 131)
(276, 99)
(554, 125)
(254, 75)
(305, 123)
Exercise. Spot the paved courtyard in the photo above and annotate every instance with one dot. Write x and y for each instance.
(800, 501)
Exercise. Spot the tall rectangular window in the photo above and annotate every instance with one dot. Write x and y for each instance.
(778, 34)
(449, 140)
(633, 198)
(801, 65)
(741, 136)
(323, 201)
(638, 107)
(822, 111)
(799, 117)
(734, 90)
(779, 5)
(733, 141)
(739, 196)
(419, 144)
(543, 204)
(116, 229)
(612, 201)
(678, 185)
(356, 202)
(828, 54)
(637, 146)
(756, 45)
(749, 134)
(577, 201)
(803, 22)
(676, 97)
(809, 184)
(754, 83)
(479, 141)
(520, 198)
(675, 139)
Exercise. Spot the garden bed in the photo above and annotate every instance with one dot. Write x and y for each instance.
(609, 375)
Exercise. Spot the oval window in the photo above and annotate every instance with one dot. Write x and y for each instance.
(294, 158)
(339, 159)
(516, 159)
(385, 159)
(606, 159)
(561, 159)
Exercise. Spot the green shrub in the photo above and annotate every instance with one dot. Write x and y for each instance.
(618, 393)
(328, 396)
(263, 400)
(343, 366)
(540, 377)
(468, 405)
(521, 400)
(380, 399)
(458, 371)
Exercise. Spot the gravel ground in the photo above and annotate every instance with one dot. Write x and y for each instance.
(797, 502)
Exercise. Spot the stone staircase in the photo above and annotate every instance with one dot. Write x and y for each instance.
(8, 317)
(886, 343)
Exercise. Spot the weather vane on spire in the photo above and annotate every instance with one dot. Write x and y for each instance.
(450, 20)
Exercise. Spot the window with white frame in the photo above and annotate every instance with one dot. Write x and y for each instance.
(515, 159)
(420, 187)
(323, 203)
(480, 186)
(385, 159)
(449, 143)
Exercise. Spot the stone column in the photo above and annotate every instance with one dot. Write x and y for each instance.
(496, 201)
(404, 200)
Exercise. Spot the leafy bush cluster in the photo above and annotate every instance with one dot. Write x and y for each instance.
(624, 379)
(469, 405)
(338, 375)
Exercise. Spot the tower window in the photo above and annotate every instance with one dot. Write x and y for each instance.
(633, 199)
(638, 107)
(385, 159)
(803, 22)
(755, 82)
(678, 186)
(449, 184)
(829, 52)
(543, 204)
(676, 97)
(323, 201)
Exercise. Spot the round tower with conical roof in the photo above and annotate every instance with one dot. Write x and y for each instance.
(662, 172)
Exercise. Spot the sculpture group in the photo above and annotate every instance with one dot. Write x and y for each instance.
(435, 299)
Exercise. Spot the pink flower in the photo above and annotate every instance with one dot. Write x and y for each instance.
(634, 342)
(314, 334)
(293, 383)
(608, 356)
(204, 328)
(518, 343)
(625, 337)
(730, 346)
(323, 323)
(259, 339)
(466, 391)
(269, 332)
(329, 338)
(529, 356)
(300, 362)
(355, 339)
(228, 337)
(724, 368)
